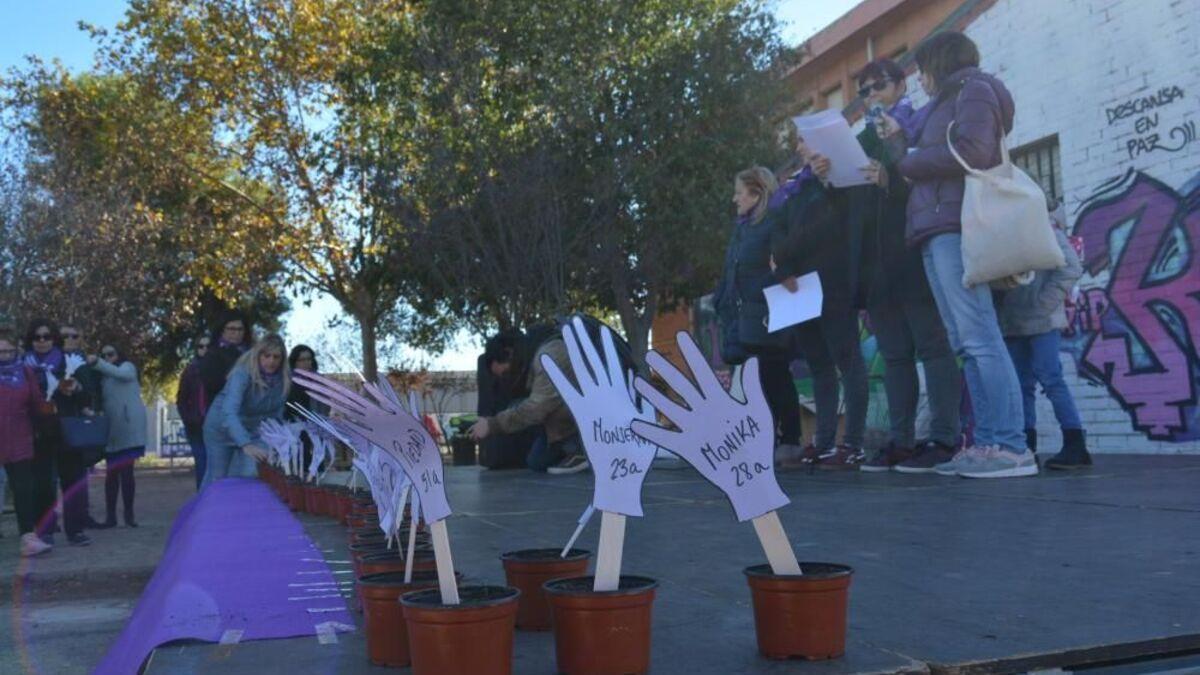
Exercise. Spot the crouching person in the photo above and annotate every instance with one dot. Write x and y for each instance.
(515, 359)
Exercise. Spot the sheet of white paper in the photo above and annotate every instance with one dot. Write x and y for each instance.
(788, 309)
(828, 134)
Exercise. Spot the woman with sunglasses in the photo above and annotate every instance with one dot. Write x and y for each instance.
(21, 400)
(46, 358)
(126, 412)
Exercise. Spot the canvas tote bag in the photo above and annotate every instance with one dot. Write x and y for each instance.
(1006, 230)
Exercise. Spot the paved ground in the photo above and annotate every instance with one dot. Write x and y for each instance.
(951, 575)
(60, 611)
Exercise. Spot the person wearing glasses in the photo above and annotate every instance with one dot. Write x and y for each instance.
(231, 338)
(122, 395)
(46, 358)
(21, 400)
(192, 403)
(89, 379)
(904, 317)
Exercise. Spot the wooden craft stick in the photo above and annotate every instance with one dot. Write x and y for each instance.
(775, 544)
(445, 564)
(612, 542)
(412, 545)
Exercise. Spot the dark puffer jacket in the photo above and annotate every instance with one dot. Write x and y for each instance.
(981, 109)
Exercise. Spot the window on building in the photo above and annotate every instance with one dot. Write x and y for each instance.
(1040, 159)
(834, 99)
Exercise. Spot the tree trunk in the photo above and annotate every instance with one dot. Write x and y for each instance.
(370, 366)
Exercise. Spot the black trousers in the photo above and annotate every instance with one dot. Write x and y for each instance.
(72, 479)
(775, 375)
(118, 479)
(44, 492)
(22, 482)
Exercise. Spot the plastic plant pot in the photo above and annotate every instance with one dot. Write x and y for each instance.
(602, 632)
(387, 636)
(474, 636)
(801, 616)
(529, 569)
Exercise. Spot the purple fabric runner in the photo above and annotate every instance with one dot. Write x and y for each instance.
(229, 561)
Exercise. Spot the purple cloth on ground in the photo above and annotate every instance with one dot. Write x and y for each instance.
(229, 559)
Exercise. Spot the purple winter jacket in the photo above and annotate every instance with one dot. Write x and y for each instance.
(980, 107)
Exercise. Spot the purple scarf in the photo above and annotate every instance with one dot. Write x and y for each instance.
(52, 361)
(241, 346)
(791, 186)
(12, 373)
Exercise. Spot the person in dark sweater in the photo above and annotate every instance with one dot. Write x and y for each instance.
(191, 400)
(740, 303)
(89, 380)
(231, 338)
(813, 219)
(904, 316)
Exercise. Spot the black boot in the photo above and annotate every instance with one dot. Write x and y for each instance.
(1031, 443)
(1074, 453)
(129, 519)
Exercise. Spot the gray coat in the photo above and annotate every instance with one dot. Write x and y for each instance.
(982, 111)
(1039, 307)
(122, 397)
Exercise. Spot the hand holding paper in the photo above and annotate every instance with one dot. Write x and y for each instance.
(787, 307)
(827, 133)
(731, 443)
(603, 406)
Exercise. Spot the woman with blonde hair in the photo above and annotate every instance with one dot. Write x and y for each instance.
(256, 390)
(742, 308)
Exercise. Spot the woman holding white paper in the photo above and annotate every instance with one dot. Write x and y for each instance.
(742, 309)
(816, 240)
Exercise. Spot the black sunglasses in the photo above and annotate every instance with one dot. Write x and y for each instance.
(42, 337)
(70, 336)
(879, 85)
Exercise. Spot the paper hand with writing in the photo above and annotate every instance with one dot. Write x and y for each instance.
(731, 443)
(390, 427)
(603, 406)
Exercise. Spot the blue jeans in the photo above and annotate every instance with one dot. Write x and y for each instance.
(195, 439)
(974, 334)
(1036, 360)
(543, 454)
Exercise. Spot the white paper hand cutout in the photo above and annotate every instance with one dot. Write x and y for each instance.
(604, 407)
(731, 443)
(398, 432)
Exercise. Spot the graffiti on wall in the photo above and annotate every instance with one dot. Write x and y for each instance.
(1136, 328)
(1151, 136)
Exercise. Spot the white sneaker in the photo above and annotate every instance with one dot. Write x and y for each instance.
(572, 464)
(32, 545)
(960, 460)
(1002, 463)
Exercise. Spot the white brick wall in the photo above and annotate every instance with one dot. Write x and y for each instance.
(1066, 62)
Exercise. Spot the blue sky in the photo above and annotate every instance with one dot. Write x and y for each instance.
(49, 29)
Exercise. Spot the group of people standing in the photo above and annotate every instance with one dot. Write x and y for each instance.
(233, 383)
(52, 390)
(894, 248)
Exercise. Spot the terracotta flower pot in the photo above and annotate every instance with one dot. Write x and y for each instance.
(344, 502)
(295, 492)
(474, 636)
(331, 501)
(264, 471)
(529, 569)
(801, 616)
(311, 495)
(387, 636)
(604, 632)
(368, 561)
(358, 551)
